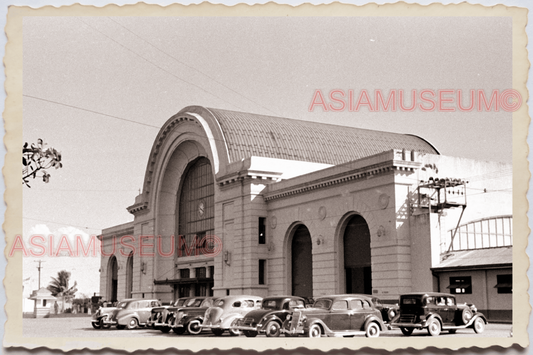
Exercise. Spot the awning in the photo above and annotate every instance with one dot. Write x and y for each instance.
(504, 284)
(458, 285)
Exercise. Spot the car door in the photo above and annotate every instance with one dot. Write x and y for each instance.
(144, 311)
(358, 313)
(339, 316)
(443, 309)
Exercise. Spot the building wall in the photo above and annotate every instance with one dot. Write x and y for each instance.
(406, 241)
(496, 306)
(113, 241)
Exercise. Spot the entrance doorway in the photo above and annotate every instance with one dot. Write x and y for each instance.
(113, 280)
(357, 257)
(302, 263)
(129, 276)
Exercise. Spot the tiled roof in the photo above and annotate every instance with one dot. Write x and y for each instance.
(249, 134)
(477, 257)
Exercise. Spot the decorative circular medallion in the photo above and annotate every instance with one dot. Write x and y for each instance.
(383, 201)
(381, 231)
(201, 208)
(322, 212)
(273, 222)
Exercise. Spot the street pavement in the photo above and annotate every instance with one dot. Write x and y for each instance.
(81, 327)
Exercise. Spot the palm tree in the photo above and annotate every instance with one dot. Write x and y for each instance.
(59, 287)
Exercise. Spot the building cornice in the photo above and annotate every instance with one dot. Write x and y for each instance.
(264, 176)
(356, 174)
(137, 207)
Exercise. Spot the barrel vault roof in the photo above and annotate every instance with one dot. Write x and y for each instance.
(248, 134)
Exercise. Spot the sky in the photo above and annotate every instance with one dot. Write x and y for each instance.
(98, 89)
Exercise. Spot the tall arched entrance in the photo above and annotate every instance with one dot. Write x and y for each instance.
(357, 257)
(129, 276)
(112, 273)
(302, 263)
(196, 223)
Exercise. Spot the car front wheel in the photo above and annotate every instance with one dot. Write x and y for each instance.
(103, 325)
(372, 330)
(194, 327)
(133, 323)
(273, 329)
(434, 327)
(95, 325)
(315, 331)
(479, 325)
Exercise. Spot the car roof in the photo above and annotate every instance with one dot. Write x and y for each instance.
(240, 297)
(347, 295)
(432, 294)
(284, 298)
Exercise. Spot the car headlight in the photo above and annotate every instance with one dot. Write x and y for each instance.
(289, 317)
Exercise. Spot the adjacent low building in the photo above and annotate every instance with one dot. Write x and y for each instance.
(238, 203)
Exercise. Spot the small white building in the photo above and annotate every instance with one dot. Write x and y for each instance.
(44, 302)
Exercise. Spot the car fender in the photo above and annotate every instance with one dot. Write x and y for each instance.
(187, 320)
(311, 321)
(124, 320)
(226, 323)
(269, 318)
(476, 316)
(375, 319)
(434, 316)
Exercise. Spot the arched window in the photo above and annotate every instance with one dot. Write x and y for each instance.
(197, 203)
(302, 263)
(357, 258)
(112, 274)
(129, 276)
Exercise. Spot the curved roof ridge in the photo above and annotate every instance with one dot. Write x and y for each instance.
(248, 134)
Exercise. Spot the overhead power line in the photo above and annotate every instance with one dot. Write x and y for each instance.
(157, 66)
(91, 111)
(193, 68)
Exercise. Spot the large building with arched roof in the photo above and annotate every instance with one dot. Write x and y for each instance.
(239, 203)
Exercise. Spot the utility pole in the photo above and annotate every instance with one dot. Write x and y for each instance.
(39, 268)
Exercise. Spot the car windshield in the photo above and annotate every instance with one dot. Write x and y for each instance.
(194, 302)
(410, 300)
(180, 302)
(271, 304)
(208, 302)
(122, 305)
(219, 303)
(323, 303)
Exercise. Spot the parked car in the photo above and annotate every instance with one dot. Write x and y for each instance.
(157, 315)
(130, 313)
(226, 310)
(99, 317)
(189, 317)
(435, 312)
(336, 316)
(388, 311)
(269, 319)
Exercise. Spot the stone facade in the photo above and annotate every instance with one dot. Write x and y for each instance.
(360, 222)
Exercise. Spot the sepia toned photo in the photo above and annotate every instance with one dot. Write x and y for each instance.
(263, 176)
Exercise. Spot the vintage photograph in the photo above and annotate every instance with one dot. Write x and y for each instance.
(290, 177)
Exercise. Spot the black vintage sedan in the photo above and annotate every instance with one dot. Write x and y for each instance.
(269, 318)
(436, 311)
(336, 316)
